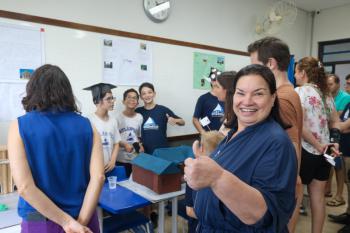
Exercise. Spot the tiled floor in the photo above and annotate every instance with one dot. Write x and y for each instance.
(304, 223)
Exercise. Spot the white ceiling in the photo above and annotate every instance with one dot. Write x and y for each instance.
(315, 5)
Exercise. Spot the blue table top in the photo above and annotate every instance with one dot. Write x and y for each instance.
(120, 200)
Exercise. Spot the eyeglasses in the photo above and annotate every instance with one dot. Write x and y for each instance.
(110, 99)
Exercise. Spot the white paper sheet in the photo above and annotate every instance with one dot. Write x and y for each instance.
(21, 51)
(126, 61)
(11, 94)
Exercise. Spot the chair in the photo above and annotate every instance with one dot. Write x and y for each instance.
(118, 171)
(133, 220)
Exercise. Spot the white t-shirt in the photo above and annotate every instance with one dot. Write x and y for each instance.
(130, 131)
(109, 133)
(315, 115)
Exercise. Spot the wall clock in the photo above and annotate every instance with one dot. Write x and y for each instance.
(157, 10)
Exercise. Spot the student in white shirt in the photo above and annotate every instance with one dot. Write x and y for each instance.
(129, 123)
(106, 126)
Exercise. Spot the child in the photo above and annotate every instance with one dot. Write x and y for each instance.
(209, 141)
(129, 123)
(106, 126)
(154, 126)
(155, 119)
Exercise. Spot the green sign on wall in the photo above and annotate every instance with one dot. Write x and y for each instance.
(202, 63)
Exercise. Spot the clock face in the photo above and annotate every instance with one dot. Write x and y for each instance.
(157, 10)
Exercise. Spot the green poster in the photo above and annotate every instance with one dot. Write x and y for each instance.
(202, 63)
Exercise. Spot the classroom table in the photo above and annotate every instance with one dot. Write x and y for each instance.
(157, 198)
(9, 218)
(118, 201)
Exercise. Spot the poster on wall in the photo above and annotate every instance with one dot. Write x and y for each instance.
(126, 61)
(202, 63)
(11, 96)
(21, 52)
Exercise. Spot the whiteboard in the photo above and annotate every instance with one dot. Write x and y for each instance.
(79, 54)
(21, 52)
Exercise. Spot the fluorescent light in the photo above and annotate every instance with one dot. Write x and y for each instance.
(159, 8)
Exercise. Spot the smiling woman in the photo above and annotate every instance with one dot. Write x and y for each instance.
(248, 182)
(252, 100)
(255, 97)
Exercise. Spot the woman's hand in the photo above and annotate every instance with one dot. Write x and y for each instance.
(202, 171)
(334, 149)
(72, 226)
(198, 149)
(321, 148)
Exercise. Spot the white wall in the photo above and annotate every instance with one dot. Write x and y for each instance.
(222, 23)
(331, 24)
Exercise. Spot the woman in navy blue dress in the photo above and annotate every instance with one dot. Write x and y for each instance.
(248, 183)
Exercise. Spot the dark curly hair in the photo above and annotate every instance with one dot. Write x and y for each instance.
(49, 89)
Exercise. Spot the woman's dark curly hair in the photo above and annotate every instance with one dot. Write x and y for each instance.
(49, 89)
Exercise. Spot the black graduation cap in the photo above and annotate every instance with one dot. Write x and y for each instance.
(98, 90)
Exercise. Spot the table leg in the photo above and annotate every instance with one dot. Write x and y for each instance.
(100, 218)
(174, 215)
(161, 213)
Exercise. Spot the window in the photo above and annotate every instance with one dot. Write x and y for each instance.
(334, 52)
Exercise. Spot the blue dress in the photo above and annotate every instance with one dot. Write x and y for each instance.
(263, 157)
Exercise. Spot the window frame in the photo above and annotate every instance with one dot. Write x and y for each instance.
(321, 53)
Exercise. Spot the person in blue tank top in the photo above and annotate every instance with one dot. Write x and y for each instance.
(155, 120)
(56, 158)
(248, 183)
